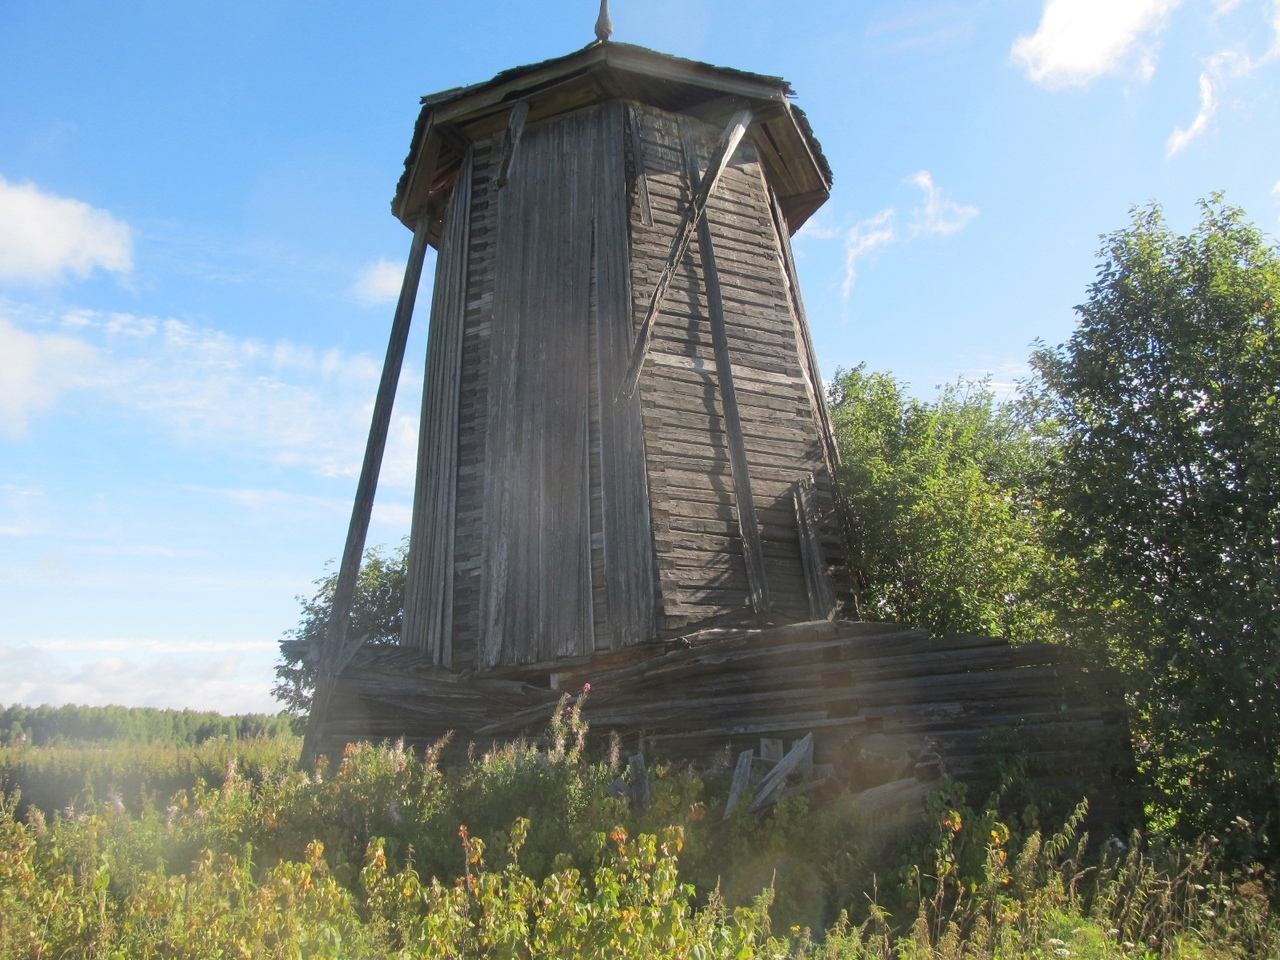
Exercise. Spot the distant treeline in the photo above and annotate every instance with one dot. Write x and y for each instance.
(46, 726)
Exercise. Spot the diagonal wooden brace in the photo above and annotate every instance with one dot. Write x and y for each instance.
(729, 141)
(336, 652)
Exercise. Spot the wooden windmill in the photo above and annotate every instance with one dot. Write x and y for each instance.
(625, 467)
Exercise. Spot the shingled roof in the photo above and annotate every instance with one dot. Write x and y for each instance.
(452, 119)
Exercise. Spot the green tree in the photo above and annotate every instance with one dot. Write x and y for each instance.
(942, 504)
(1168, 485)
(376, 614)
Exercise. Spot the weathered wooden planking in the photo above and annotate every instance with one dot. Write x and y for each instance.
(474, 404)
(627, 536)
(748, 528)
(729, 140)
(822, 598)
(536, 578)
(428, 608)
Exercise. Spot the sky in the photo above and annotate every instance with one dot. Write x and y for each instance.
(198, 264)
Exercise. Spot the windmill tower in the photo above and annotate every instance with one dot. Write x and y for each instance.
(624, 434)
(625, 467)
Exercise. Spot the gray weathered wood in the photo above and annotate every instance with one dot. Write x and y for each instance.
(817, 576)
(428, 607)
(637, 159)
(366, 488)
(511, 142)
(536, 578)
(741, 777)
(628, 540)
(748, 527)
(729, 141)
(771, 786)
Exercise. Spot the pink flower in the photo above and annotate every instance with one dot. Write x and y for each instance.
(586, 688)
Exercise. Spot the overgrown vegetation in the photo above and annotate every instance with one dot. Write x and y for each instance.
(72, 724)
(1126, 501)
(523, 853)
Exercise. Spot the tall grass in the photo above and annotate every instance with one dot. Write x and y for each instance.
(523, 852)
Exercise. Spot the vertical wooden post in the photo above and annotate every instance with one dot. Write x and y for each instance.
(332, 654)
(748, 526)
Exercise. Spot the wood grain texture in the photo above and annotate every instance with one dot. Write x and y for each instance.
(536, 579)
(748, 528)
(627, 536)
(428, 608)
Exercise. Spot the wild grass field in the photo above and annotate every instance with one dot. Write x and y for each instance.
(228, 849)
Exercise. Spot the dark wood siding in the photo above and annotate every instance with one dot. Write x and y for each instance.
(428, 614)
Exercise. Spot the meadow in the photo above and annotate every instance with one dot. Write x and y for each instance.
(226, 848)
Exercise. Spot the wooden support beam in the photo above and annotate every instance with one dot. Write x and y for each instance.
(817, 576)
(511, 142)
(637, 160)
(729, 141)
(335, 641)
(748, 527)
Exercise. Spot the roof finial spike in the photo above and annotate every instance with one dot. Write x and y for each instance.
(604, 25)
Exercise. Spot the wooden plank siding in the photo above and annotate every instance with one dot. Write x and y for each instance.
(536, 589)
(699, 542)
(584, 521)
(428, 606)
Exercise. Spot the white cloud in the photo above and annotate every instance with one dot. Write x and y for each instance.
(35, 370)
(1180, 137)
(1080, 40)
(863, 237)
(1220, 69)
(284, 403)
(231, 677)
(378, 283)
(45, 238)
(937, 215)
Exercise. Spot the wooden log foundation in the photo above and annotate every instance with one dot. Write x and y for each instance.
(879, 704)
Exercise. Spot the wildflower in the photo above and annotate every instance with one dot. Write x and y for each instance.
(586, 688)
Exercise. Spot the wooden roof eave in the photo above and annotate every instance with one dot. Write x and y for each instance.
(449, 122)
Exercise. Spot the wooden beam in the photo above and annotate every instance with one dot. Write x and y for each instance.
(335, 647)
(637, 160)
(511, 142)
(748, 526)
(729, 141)
(817, 576)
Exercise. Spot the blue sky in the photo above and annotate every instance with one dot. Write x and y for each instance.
(198, 263)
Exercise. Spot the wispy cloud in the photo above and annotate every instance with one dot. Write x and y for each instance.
(1080, 40)
(45, 238)
(378, 283)
(937, 214)
(35, 370)
(1220, 70)
(284, 403)
(863, 237)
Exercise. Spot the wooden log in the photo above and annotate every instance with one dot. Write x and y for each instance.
(748, 527)
(729, 141)
(366, 488)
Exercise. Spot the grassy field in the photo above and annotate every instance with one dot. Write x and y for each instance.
(227, 849)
